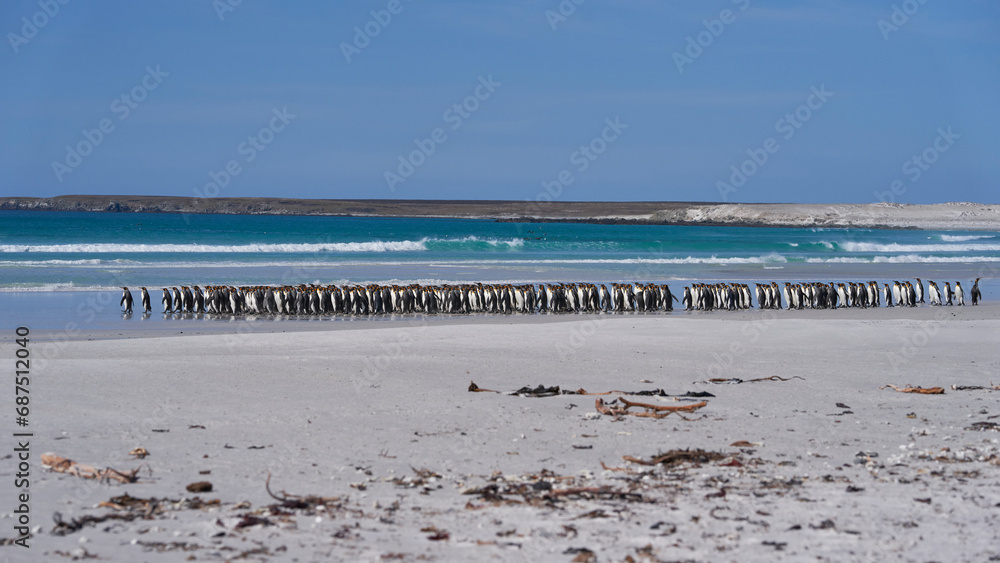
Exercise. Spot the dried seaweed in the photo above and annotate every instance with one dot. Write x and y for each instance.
(553, 391)
(737, 381)
(678, 457)
(919, 390)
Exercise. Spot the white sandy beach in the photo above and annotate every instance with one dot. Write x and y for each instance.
(954, 215)
(831, 468)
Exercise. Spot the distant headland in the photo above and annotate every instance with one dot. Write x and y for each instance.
(944, 216)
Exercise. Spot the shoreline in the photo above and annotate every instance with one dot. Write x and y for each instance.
(944, 216)
(161, 325)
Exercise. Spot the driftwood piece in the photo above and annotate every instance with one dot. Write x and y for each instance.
(920, 390)
(473, 388)
(652, 411)
(60, 464)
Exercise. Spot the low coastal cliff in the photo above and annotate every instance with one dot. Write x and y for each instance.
(957, 216)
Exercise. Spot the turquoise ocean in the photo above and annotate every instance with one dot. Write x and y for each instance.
(50, 260)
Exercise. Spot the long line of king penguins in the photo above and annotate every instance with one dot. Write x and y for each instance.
(373, 299)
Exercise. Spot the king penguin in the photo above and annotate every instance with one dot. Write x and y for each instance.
(126, 300)
(976, 295)
(145, 301)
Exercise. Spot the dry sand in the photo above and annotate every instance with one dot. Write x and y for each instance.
(415, 467)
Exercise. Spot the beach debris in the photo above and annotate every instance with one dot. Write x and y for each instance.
(543, 489)
(248, 520)
(679, 457)
(436, 534)
(919, 390)
(127, 508)
(61, 464)
(737, 381)
(199, 487)
(777, 545)
(540, 391)
(621, 406)
(583, 555)
(64, 528)
(983, 426)
(842, 406)
(139, 453)
(991, 387)
(310, 504)
(824, 525)
(425, 478)
(543, 391)
(745, 444)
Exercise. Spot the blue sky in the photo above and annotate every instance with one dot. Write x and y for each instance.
(702, 95)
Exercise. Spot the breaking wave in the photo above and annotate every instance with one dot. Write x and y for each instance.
(963, 238)
(896, 247)
(469, 243)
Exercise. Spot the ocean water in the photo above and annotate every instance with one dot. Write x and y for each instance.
(58, 253)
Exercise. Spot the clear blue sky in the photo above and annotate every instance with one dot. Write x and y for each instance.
(688, 114)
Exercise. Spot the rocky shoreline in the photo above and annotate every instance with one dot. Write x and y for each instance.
(944, 216)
